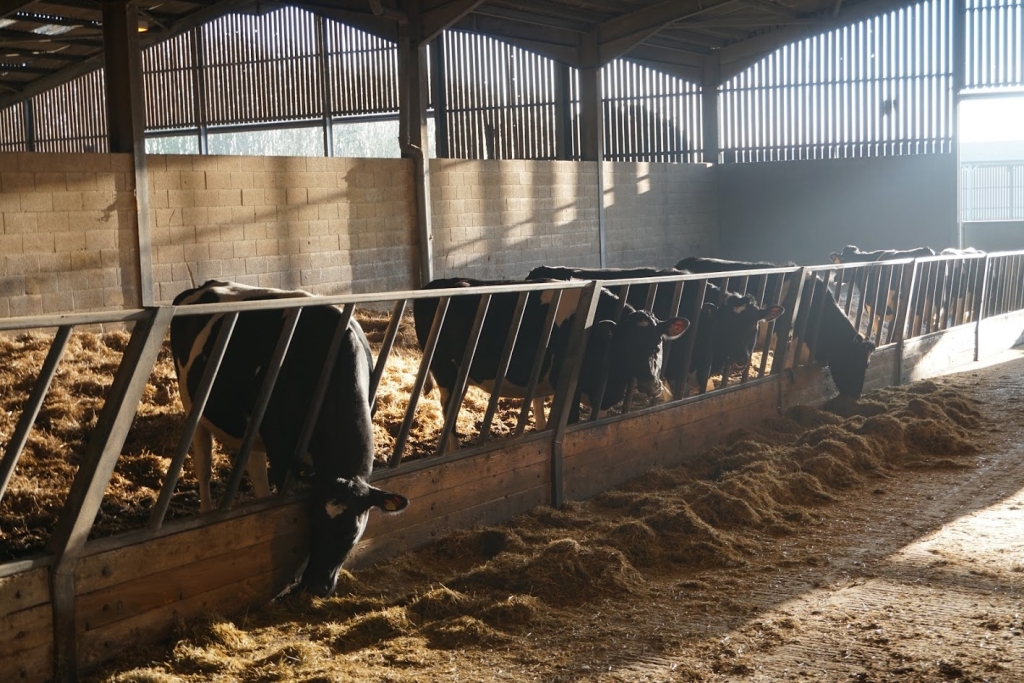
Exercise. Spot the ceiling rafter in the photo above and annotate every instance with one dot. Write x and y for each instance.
(441, 17)
(41, 85)
(616, 37)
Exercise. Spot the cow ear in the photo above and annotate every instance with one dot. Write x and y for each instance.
(605, 328)
(773, 312)
(709, 309)
(384, 500)
(835, 258)
(673, 328)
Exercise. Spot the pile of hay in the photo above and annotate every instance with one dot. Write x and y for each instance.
(491, 587)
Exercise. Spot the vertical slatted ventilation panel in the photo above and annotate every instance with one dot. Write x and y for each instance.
(992, 191)
(167, 75)
(72, 117)
(881, 87)
(262, 68)
(995, 43)
(501, 99)
(650, 115)
(12, 129)
(363, 72)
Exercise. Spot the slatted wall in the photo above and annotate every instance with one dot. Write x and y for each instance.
(71, 117)
(362, 72)
(882, 86)
(500, 99)
(171, 83)
(992, 191)
(650, 115)
(13, 137)
(995, 43)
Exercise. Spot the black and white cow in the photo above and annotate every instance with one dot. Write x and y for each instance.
(838, 345)
(341, 448)
(619, 347)
(725, 334)
(853, 254)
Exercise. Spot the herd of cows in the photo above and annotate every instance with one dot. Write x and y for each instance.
(329, 356)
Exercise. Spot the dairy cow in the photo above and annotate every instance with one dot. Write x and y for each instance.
(620, 347)
(341, 448)
(725, 334)
(836, 343)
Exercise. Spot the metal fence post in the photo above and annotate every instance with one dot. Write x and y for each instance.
(565, 391)
(900, 323)
(980, 310)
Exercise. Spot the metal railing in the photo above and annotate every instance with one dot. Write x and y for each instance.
(885, 302)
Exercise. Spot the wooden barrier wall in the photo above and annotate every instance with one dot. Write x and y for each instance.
(131, 592)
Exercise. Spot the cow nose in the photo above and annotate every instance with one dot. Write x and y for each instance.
(321, 588)
(666, 394)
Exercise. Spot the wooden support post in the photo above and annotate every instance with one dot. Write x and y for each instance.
(710, 80)
(126, 119)
(412, 126)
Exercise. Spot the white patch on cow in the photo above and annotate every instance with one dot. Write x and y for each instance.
(566, 305)
(740, 308)
(334, 508)
(643, 322)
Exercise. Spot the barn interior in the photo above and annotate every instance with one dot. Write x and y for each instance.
(360, 149)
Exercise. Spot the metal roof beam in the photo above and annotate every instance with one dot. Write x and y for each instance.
(41, 85)
(12, 6)
(441, 17)
(738, 56)
(617, 36)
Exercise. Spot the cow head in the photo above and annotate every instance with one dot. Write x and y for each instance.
(849, 366)
(736, 327)
(634, 351)
(340, 510)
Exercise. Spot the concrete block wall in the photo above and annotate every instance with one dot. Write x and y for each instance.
(656, 214)
(499, 219)
(327, 225)
(67, 233)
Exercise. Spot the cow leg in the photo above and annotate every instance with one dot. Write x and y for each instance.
(257, 468)
(538, 414)
(202, 465)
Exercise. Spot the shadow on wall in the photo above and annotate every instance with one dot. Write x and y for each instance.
(498, 219)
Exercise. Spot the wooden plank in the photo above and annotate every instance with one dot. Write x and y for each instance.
(138, 596)
(808, 386)
(671, 416)
(492, 512)
(457, 474)
(1000, 333)
(176, 550)
(24, 590)
(590, 472)
(29, 666)
(492, 485)
(26, 630)
(102, 644)
(928, 355)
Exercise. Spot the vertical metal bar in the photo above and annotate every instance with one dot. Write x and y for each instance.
(252, 429)
(885, 309)
(770, 330)
(677, 296)
(701, 285)
(538, 359)
(862, 294)
(876, 314)
(202, 395)
(503, 363)
(421, 377)
(980, 306)
(31, 410)
(451, 411)
(817, 312)
(86, 495)
(565, 391)
(796, 330)
(385, 351)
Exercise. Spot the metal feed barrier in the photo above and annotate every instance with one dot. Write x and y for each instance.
(889, 302)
